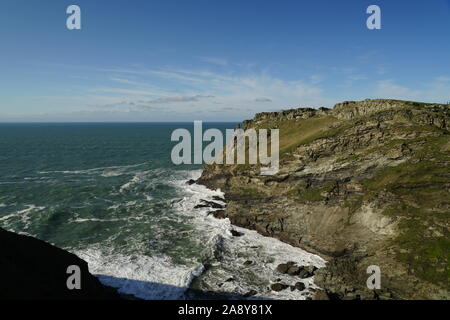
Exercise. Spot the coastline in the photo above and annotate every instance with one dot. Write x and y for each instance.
(280, 279)
(354, 186)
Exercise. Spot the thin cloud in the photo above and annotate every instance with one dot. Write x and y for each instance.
(263, 100)
(214, 60)
(178, 99)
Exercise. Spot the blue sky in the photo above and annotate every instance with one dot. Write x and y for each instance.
(215, 60)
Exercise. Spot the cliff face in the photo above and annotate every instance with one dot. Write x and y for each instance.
(365, 183)
(33, 269)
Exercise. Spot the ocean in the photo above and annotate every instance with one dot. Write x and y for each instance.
(110, 194)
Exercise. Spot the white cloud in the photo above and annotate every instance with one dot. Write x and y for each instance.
(437, 90)
(207, 93)
(214, 60)
(389, 90)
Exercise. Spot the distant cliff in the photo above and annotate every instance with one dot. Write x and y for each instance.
(33, 269)
(365, 183)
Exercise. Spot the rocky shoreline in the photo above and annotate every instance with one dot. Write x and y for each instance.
(365, 183)
(290, 268)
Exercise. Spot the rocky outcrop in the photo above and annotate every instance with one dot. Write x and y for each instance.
(365, 183)
(33, 269)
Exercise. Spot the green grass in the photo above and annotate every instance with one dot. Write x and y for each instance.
(422, 201)
(297, 132)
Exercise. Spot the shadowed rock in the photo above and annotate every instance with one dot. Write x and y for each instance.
(33, 269)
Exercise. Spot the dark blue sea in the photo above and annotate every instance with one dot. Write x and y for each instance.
(110, 194)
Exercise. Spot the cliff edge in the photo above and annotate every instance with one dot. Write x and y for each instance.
(365, 183)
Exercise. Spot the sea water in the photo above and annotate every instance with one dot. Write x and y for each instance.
(110, 194)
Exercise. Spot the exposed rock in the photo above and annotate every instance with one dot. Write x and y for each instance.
(365, 183)
(191, 181)
(235, 233)
(321, 295)
(34, 269)
(250, 294)
(303, 274)
(293, 271)
(219, 214)
(300, 286)
(310, 269)
(209, 204)
(278, 287)
(283, 268)
(248, 262)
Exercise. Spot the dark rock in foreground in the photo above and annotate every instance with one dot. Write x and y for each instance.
(33, 269)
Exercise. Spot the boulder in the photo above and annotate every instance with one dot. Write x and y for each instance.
(283, 268)
(303, 274)
(250, 294)
(300, 286)
(235, 233)
(293, 271)
(278, 287)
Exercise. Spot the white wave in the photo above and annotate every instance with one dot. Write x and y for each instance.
(105, 171)
(264, 252)
(136, 179)
(125, 204)
(139, 275)
(158, 277)
(78, 220)
(30, 207)
(7, 217)
(23, 214)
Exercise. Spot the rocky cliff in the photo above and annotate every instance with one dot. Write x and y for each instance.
(33, 269)
(365, 183)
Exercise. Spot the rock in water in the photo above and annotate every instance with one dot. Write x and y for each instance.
(278, 287)
(209, 204)
(33, 269)
(250, 294)
(303, 273)
(235, 233)
(294, 270)
(283, 268)
(300, 286)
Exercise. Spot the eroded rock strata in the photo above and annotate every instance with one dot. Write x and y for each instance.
(365, 183)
